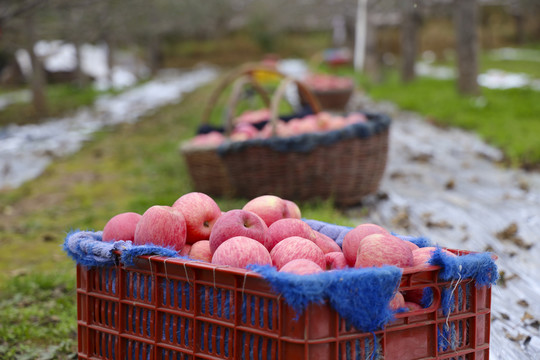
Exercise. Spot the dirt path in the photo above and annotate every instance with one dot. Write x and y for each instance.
(445, 184)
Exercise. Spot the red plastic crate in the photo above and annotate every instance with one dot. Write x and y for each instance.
(167, 308)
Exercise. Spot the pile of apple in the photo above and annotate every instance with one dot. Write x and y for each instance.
(323, 82)
(245, 130)
(267, 230)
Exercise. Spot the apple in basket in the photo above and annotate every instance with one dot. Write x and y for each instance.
(284, 228)
(121, 227)
(296, 247)
(397, 302)
(201, 251)
(383, 249)
(163, 226)
(326, 243)
(238, 222)
(352, 240)
(200, 213)
(301, 267)
(294, 210)
(335, 260)
(421, 256)
(241, 251)
(244, 131)
(213, 138)
(269, 207)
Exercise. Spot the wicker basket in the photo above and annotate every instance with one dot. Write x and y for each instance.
(344, 165)
(206, 168)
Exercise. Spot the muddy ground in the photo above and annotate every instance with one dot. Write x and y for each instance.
(449, 185)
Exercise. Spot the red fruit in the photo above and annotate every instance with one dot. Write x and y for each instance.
(237, 223)
(284, 228)
(335, 260)
(241, 251)
(163, 226)
(200, 212)
(301, 267)
(295, 247)
(351, 240)
(270, 208)
(201, 251)
(378, 250)
(326, 243)
(121, 227)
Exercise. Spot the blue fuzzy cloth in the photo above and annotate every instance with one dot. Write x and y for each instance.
(360, 296)
(88, 248)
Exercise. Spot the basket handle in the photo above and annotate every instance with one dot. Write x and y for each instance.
(247, 71)
(280, 93)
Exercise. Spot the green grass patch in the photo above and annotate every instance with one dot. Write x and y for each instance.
(37, 315)
(507, 119)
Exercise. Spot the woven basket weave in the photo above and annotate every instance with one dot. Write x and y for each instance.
(344, 165)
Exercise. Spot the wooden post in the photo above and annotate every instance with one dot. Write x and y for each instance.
(360, 35)
(465, 22)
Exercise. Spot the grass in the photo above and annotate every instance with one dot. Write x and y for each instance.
(507, 119)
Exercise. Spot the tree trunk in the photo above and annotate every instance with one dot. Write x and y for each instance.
(519, 21)
(409, 39)
(155, 57)
(465, 21)
(37, 79)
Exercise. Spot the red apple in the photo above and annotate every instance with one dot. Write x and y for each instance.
(269, 207)
(238, 222)
(412, 306)
(295, 247)
(212, 138)
(121, 227)
(241, 251)
(201, 251)
(335, 260)
(411, 245)
(351, 240)
(284, 228)
(301, 267)
(200, 212)
(421, 256)
(397, 302)
(185, 250)
(161, 225)
(326, 243)
(294, 210)
(378, 250)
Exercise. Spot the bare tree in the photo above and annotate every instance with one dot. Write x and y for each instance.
(465, 22)
(37, 79)
(409, 38)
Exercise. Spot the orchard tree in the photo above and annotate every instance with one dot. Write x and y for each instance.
(465, 22)
(20, 16)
